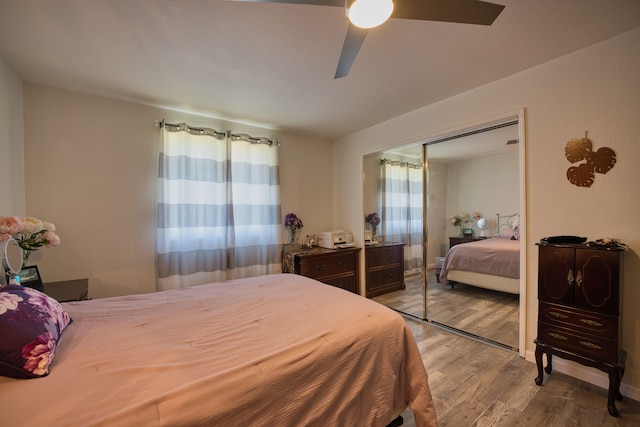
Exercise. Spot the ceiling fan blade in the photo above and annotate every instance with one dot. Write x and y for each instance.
(352, 42)
(312, 2)
(462, 11)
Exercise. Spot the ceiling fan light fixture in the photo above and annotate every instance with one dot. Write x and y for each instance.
(369, 13)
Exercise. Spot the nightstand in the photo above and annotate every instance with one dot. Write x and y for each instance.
(462, 239)
(68, 290)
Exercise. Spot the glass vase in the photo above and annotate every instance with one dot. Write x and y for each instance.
(293, 236)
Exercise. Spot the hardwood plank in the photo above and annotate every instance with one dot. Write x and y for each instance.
(481, 312)
(476, 384)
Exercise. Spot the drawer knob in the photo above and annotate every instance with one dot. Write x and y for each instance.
(343, 262)
(321, 267)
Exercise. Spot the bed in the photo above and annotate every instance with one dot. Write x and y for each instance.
(277, 350)
(492, 263)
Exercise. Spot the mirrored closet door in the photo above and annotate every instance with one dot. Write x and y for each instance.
(465, 180)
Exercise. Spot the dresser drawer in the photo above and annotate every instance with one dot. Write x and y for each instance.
(347, 283)
(581, 343)
(329, 265)
(378, 257)
(383, 277)
(384, 280)
(583, 321)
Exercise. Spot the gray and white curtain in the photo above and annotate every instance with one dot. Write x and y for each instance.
(218, 207)
(401, 189)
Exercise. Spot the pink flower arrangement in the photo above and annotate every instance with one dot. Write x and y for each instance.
(30, 233)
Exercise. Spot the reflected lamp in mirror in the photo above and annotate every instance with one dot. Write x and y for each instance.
(11, 255)
(482, 224)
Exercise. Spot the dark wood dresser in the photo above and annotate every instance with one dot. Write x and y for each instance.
(579, 310)
(337, 267)
(385, 268)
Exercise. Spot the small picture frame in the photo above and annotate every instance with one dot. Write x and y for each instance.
(467, 232)
(30, 277)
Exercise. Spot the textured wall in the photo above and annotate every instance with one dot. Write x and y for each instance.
(91, 166)
(11, 142)
(595, 89)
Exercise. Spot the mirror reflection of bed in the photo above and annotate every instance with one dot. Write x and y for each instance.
(477, 172)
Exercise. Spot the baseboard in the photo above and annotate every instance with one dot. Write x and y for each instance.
(587, 374)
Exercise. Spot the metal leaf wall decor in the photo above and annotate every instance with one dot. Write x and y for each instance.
(600, 161)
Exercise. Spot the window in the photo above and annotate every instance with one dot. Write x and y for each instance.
(218, 207)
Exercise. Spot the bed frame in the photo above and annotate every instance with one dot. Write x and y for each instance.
(504, 221)
(487, 281)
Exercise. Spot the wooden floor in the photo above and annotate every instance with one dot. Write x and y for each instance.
(489, 314)
(476, 384)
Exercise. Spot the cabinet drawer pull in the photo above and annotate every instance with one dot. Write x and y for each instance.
(590, 345)
(579, 278)
(558, 336)
(321, 267)
(377, 258)
(558, 315)
(591, 322)
(343, 262)
(570, 277)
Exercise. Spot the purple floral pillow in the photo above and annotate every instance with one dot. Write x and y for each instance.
(30, 326)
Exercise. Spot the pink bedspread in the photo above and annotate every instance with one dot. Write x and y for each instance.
(279, 350)
(495, 256)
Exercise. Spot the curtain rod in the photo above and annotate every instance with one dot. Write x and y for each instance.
(399, 163)
(183, 127)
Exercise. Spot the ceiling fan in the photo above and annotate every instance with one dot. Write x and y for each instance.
(366, 14)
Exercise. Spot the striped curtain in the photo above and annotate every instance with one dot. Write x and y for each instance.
(218, 207)
(401, 189)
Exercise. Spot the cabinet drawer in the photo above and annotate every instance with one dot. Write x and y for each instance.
(330, 265)
(383, 277)
(379, 257)
(347, 283)
(580, 343)
(583, 321)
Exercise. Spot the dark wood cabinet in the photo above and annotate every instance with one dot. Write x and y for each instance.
(337, 267)
(462, 239)
(385, 268)
(68, 290)
(579, 310)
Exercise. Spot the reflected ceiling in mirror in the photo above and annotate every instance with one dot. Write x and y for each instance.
(458, 148)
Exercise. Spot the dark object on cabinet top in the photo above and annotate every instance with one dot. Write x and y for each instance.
(563, 239)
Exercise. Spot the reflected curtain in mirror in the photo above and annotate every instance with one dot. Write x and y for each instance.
(218, 212)
(401, 189)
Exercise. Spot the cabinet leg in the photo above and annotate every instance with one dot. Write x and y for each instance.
(549, 367)
(540, 376)
(619, 396)
(615, 375)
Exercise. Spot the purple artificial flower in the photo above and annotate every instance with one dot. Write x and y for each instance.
(292, 220)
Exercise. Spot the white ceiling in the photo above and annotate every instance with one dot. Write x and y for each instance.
(272, 65)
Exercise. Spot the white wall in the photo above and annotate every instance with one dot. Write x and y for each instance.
(91, 168)
(488, 185)
(11, 142)
(597, 90)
